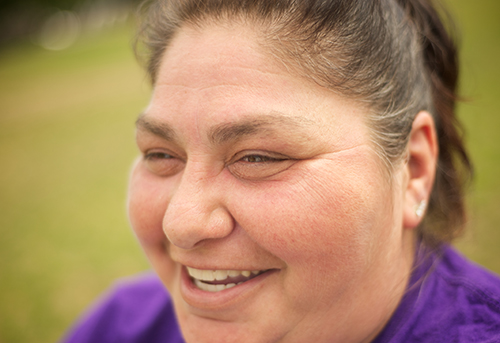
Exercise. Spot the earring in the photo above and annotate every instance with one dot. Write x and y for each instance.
(421, 208)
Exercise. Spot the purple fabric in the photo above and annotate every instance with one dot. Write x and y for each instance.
(448, 300)
(136, 311)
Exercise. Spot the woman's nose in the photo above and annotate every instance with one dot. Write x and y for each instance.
(196, 212)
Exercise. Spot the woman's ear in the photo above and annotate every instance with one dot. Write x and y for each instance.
(422, 155)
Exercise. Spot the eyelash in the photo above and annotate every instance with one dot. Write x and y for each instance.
(258, 165)
(256, 158)
(157, 155)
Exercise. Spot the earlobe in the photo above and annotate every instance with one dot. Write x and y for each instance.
(421, 165)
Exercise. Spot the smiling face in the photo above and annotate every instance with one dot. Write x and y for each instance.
(260, 201)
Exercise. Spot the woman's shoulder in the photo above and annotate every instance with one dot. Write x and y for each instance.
(135, 310)
(449, 299)
(473, 280)
(460, 302)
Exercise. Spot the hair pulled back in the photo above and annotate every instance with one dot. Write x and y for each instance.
(394, 56)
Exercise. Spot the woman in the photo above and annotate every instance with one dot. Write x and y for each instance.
(300, 176)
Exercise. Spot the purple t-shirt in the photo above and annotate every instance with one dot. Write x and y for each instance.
(449, 299)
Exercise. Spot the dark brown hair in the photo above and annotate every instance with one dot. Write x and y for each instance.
(394, 56)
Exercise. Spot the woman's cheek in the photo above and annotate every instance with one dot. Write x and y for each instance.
(147, 203)
(327, 210)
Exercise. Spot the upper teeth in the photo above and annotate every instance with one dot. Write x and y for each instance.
(212, 275)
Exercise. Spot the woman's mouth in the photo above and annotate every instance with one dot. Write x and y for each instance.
(219, 280)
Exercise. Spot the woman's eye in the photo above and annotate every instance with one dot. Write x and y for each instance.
(158, 155)
(259, 166)
(259, 159)
(162, 164)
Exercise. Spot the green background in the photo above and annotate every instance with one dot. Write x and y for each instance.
(67, 143)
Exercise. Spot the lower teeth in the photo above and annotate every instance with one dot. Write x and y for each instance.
(213, 288)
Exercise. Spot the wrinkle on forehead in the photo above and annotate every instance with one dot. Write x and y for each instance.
(191, 45)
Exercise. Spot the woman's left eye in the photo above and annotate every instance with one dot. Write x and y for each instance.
(259, 166)
(259, 159)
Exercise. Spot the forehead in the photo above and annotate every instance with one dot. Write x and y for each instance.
(219, 56)
(222, 74)
(222, 46)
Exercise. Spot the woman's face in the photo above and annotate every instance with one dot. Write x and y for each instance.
(267, 188)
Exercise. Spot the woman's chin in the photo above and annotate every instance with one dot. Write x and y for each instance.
(200, 329)
(205, 330)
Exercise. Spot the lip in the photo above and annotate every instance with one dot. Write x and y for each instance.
(211, 301)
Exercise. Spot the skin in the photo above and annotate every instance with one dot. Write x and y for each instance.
(244, 166)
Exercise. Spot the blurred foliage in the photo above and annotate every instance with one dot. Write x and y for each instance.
(66, 145)
(20, 19)
(60, 4)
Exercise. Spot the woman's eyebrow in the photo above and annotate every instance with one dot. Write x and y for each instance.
(232, 131)
(161, 130)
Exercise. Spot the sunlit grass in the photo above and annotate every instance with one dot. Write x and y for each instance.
(66, 144)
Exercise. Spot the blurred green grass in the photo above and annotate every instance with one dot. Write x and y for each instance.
(479, 27)
(66, 145)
